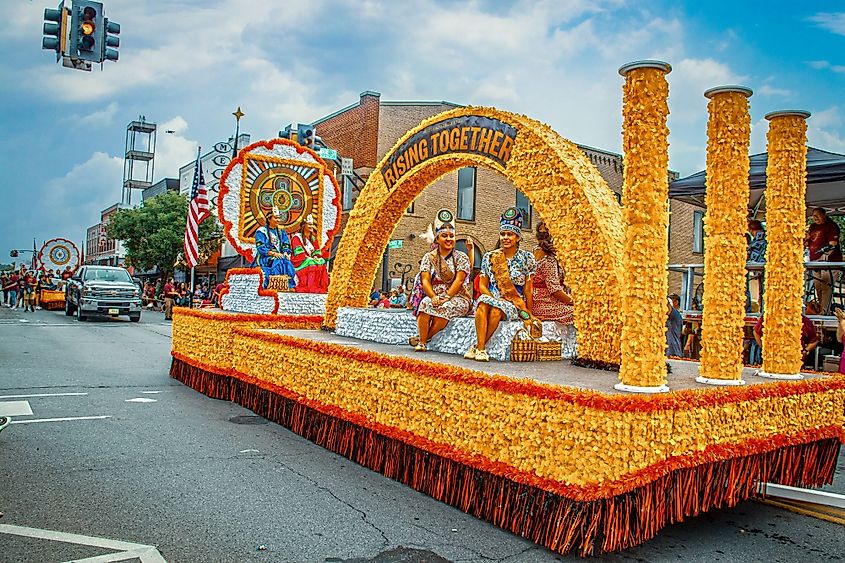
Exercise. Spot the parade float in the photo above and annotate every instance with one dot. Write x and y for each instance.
(590, 456)
(58, 254)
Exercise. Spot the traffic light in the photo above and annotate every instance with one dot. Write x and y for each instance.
(87, 31)
(306, 135)
(55, 30)
(110, 32)
(13, 254)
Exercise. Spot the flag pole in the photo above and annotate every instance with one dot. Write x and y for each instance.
(191, 286)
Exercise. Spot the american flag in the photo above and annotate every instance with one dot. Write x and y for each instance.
(197, 213)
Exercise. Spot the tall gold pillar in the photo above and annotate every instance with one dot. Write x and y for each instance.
(645, 212)
(786, 187)
(725, 255)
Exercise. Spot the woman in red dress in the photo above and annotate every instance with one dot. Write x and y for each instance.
(552, 301)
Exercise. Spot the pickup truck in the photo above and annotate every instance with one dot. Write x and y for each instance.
(104, 290)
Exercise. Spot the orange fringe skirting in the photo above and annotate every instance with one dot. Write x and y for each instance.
(546, 518)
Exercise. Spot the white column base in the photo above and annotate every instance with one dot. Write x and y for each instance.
(636, 389)
(761, 373)
(712, 381)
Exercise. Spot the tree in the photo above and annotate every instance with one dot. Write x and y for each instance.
(154, 233)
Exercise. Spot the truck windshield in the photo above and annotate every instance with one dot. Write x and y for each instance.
(107, 275)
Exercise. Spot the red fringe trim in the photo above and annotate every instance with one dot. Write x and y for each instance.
(677, 400)
(554, 520)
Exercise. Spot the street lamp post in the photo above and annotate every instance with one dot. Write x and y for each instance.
(238, 115)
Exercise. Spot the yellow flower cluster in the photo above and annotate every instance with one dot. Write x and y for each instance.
(584, 439)
(786, 187)
(562, 185)
(645, 197)
(728, 137)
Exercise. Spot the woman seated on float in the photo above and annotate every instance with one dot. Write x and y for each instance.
(552, 300)
(505, 285)
(272, 246)
(311, 269)
(443, 276)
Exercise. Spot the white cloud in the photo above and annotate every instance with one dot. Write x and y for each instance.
(818, 65)
(173, 150)
(98, 118)
(833, 22)
(69, 204)
(766, 90)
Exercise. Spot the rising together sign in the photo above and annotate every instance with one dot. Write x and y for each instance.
(465, 134)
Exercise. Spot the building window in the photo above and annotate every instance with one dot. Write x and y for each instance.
(698, 232)
(466, 194)
(478, 253)
(348, 185)
(410, 210)
(524, 205)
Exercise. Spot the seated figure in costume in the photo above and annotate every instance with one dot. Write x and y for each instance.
(505, 286)
(310, 265)
(552, 300)
(444, 279)
(272, 246)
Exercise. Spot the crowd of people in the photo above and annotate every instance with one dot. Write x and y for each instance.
(22, 287)
(169, 294)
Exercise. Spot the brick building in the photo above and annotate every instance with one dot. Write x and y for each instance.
(367, 130)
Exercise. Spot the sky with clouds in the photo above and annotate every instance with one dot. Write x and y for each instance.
(187, 64)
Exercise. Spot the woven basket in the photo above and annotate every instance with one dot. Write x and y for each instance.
(548, 351)
(523, 348)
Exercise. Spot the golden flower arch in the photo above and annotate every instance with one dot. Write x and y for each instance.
(581, 211)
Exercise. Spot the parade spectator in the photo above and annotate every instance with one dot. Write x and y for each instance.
(21, 287)
(218, 290)
(5, 284)
(375, 295)
(30, 284)
(170, 295)
(822, 240)
(756, 252)
(809, 334)
(148, 296)
(674, 327)
(67, 274)
(840, 335)
(397, 298)
(11, 288)
(183, 299)
(383, 301)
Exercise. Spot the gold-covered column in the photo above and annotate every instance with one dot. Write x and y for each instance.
(725, 254)
(645, 211)
(786, 187)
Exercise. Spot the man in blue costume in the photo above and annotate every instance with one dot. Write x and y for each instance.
(272, 245)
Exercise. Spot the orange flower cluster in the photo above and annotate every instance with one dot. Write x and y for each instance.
(585, 443)
(786, 187)
(644, 198)
(566, 190)
(728, 138)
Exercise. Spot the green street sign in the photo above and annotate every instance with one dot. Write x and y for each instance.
(328, 154)
(394, 244)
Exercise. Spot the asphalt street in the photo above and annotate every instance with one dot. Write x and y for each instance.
(140, 465)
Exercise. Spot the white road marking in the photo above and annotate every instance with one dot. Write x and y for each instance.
(15, 408)
(34, 420)
(128, 550)
(42, 395)
(150, 392)
(141, 400)
(248, 452)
